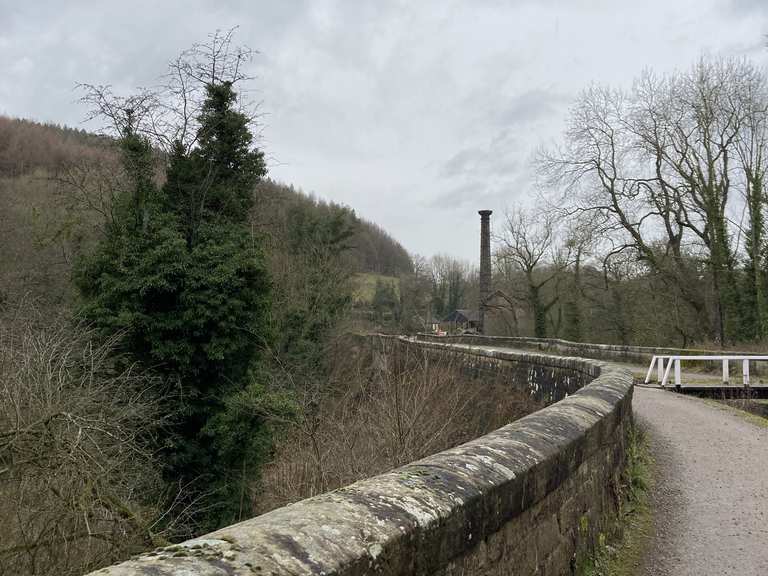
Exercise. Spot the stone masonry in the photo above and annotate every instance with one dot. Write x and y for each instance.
(528, 498)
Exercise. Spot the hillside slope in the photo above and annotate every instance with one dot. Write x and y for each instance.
(43, 224)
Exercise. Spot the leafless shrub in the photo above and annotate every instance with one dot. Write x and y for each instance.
(168, 114)
(78, 485)
(384, 410)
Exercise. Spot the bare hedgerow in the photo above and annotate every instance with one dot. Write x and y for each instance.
(79, 487)
(383, 409)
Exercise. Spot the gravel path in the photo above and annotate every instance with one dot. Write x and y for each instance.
(711, 496)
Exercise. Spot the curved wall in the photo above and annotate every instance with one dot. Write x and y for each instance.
(527, 498)
(610, 352)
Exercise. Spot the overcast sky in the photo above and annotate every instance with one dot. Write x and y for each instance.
(416, 114)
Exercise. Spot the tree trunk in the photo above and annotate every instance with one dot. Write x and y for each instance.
(539, 311)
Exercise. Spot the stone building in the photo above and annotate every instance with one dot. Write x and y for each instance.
(461, 321)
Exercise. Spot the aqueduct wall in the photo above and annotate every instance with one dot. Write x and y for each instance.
(527, 498)
(608, 352)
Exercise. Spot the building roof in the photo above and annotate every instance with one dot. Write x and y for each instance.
(464, 315)
(497, 295)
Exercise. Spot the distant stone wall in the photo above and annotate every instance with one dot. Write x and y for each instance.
(547, 379)
(609, 352)
(527, 498)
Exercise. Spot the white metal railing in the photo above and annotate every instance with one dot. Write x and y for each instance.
(664, 365)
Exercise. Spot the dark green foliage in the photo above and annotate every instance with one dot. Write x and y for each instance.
(374, 250)
(449, 285)
(138, 161)
(215, 181)
(753, 280)
(329, 231)
(239, 442)
(439, 301)
(385, 301)
(572, 303)
(721, 264)
(180, 275)
(456, 288)
(572, 313)
(315, 289)
(368, 248)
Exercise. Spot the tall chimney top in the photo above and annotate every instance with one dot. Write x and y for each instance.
(485, 212)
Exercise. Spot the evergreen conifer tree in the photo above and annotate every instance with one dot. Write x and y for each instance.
(179, 274)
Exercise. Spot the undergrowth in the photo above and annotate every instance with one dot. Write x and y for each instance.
(623, 556)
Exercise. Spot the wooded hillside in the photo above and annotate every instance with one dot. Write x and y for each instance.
(42, 226)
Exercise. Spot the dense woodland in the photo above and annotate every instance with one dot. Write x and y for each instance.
(175, 327)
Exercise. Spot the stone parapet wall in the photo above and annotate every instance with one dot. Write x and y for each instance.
(608, 352)
(546, 378)
(527, 498)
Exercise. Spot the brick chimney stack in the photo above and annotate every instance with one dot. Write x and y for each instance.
(485, 264)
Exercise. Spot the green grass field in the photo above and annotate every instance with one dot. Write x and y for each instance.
(365, 286)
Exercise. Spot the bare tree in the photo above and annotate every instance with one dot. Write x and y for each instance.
(529, 244)
(167, 114)
(658, 167)
(79, 485)
(449, 283)
(579, 239)
(392, 404)
(167, 117)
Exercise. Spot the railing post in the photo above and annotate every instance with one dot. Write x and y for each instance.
(660, 369)
(665, 378)
(678, 377)
(726, 372)
(650, 371)
(745, 371)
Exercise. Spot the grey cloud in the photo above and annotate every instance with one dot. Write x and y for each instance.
(400, 109)
(459, 196)
(503, 155)
(496, 193)
(749, 6)
(461, 162)
(487, 160)
(528, 107)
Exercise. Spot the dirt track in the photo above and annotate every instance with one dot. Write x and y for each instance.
(711, 496)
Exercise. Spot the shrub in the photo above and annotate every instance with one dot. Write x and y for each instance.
(79, 486)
